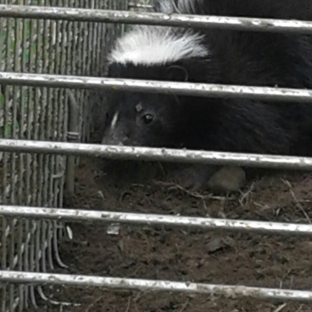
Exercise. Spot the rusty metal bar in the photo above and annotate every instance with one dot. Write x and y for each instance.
(154, 219)
(128, 17)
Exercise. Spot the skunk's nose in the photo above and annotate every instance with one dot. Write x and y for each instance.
(108, 140)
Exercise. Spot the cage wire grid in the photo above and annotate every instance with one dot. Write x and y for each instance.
(38, 58)
(34, 45)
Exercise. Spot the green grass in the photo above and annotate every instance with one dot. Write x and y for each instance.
(9, 44)
(17, 47)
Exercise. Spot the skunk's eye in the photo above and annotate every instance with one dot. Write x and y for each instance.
(147, 119)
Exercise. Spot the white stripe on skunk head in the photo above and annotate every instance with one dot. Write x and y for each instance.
(157, 45)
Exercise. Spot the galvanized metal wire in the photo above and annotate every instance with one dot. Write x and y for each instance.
(24, 47)
(39, 113)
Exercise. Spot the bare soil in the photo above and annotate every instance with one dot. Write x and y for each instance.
(181, 254)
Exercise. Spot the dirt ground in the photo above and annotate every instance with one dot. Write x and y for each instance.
(181, 254)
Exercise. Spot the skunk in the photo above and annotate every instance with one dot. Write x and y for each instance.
(218, 56)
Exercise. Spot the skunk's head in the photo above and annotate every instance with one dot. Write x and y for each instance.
(151, 53)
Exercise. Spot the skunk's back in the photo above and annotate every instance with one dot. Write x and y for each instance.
(282, 9)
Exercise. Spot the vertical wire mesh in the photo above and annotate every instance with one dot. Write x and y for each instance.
(39, 113)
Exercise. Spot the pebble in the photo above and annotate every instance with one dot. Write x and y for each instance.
(227, 179)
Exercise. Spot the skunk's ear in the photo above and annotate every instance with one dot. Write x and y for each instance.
(114, 69)
(109, 70)
(177, 73)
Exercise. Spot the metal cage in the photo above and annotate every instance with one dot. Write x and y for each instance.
(49, 49)
(42, 46)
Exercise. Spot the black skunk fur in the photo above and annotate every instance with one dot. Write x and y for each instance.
(214, 56)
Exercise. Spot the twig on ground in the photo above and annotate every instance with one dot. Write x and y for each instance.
(298, 205)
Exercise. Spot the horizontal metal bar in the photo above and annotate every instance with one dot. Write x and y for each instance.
(156, 154)
(154, 219)
(139, 5)
(165, 87)
(154, 285)
(128, 17)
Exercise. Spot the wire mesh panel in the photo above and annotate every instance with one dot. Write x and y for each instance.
(41, 113)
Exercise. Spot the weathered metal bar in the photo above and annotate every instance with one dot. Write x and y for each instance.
(154, 285)
(139, 5)
(165, 87)
(154, 219)
(156, 154)
(128, 17)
